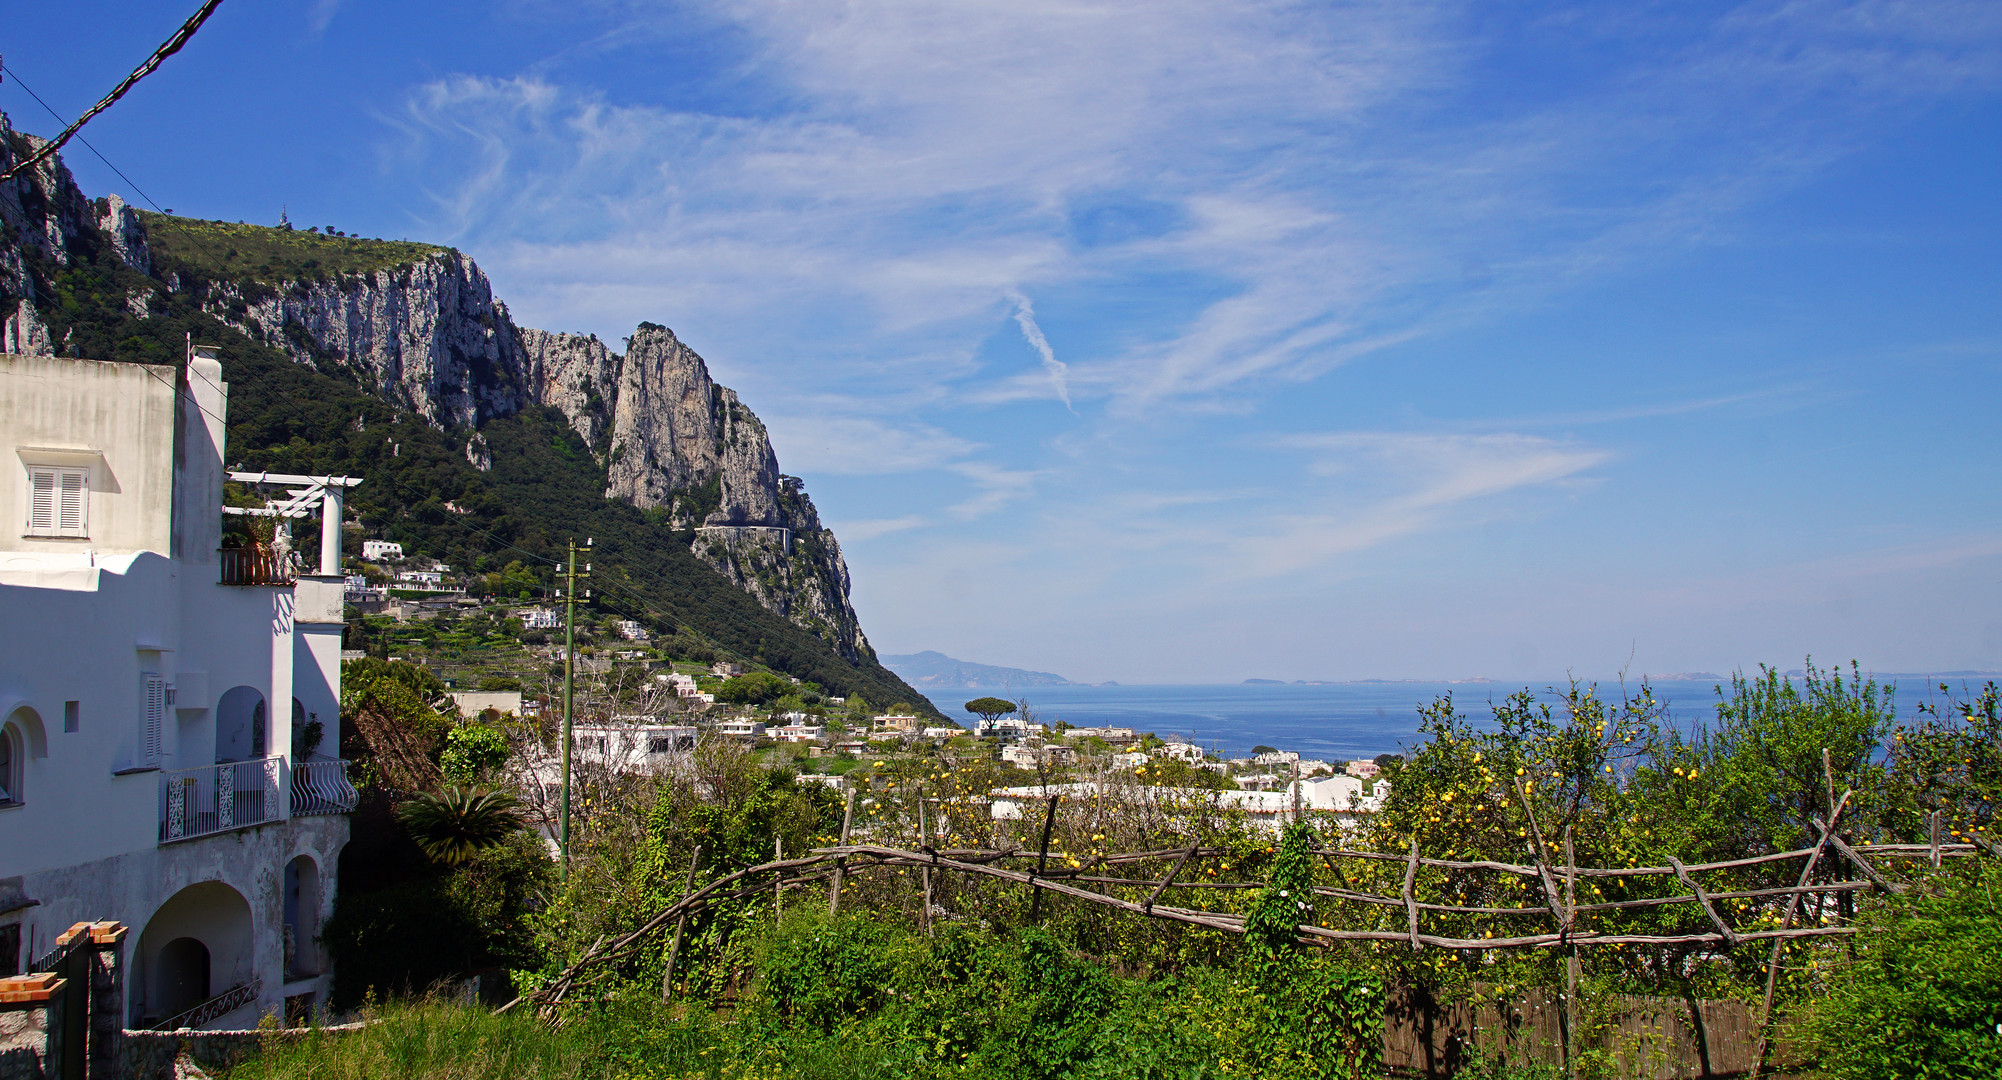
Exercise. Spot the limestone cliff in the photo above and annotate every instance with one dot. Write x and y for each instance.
(427, 335)
(420, 327)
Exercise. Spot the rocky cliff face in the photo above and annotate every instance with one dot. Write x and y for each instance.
(427, 334)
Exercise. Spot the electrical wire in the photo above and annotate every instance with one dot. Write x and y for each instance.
(167, 48)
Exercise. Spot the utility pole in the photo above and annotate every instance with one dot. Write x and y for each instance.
(569, 682)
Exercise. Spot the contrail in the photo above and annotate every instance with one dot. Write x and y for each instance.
(1025, 316)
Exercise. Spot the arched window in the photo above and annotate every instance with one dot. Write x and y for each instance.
(12, 752)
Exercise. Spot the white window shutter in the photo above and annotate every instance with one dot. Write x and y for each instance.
(152, 718)
(75, 495)
(42, 500)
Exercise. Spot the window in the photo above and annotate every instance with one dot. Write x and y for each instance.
(72, 717)
(58, 501)
(152, 717)
(10, 765)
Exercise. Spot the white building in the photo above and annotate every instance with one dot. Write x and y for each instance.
(1109, 734)
(1275, 757)
(1268, 809)
(475, 702)
(539, 618)
(748, 729)
(801, 732)
(638, 747)
(631, 630)
(422, 579)
(1182, 751)
(169, 711)
(379, 550)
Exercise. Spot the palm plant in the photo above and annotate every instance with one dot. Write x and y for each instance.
(458, 823)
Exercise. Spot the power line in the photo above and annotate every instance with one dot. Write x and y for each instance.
(86, 142)
(167, 48)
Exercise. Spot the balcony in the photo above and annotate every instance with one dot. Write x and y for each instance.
(218, 798)
(257, 565)
(321, 787)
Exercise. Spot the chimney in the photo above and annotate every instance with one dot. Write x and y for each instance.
(203, 403)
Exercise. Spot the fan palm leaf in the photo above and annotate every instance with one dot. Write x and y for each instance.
(458, 823)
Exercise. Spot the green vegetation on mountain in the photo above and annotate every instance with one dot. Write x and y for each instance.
(226, 251)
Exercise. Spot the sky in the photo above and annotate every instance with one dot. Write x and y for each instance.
(1192, 342)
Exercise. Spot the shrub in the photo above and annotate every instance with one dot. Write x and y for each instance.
(1919, 1000)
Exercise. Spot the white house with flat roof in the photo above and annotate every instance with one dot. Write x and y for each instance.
(169, 711)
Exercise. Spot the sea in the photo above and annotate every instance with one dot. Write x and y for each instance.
(1336, 721)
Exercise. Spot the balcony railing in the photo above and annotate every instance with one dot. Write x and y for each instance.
(257, 566)
(321, 787)
(218, 798)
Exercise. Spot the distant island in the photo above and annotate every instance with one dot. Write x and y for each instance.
(937, 670)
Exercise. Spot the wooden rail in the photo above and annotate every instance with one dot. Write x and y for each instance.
(833, 864)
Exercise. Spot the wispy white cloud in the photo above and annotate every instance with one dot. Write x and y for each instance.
(871, 528)
(1025, 317)
(996, 487)
(862, 445)
(923, 168)
(1411, 484)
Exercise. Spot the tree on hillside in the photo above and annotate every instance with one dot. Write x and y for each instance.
(989, 709)
(756, 688)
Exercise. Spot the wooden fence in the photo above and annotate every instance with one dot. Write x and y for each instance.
(1715, 1039)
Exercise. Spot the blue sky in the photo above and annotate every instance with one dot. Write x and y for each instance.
(1178, 342)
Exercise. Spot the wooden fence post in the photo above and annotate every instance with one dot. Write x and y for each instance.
(841, 864)
(680, 924)
(1571, 957)
(1042, 859)
(924, 872)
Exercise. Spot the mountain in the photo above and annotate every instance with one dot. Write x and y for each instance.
(486, 443)
(939, 671)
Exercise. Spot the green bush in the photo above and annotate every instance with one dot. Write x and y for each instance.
(819, 971)
(1923, 997)
(473, 752)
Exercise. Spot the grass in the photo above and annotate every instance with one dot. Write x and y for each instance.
(237, 252)
(430, 1040)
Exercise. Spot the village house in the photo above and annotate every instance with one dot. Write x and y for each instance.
(1341, 798)
(169, 711)
(632, 746)
(381, 550)
(801, 732)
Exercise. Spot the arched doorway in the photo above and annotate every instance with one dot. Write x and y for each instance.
(21, 738)
(240, 725)
(184, 975)
(196, 946)
(302, 918)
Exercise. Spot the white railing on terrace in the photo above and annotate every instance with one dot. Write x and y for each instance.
(321, 787)
(218, 798)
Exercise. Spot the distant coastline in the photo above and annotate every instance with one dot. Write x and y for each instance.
(931, 670)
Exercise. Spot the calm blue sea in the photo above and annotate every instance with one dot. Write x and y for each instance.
(1336, 721)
